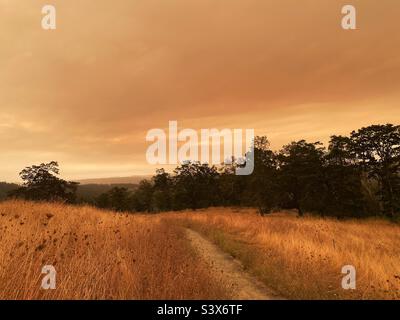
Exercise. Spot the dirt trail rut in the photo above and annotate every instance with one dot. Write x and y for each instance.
(244, 286)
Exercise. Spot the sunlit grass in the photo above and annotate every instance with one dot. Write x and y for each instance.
(97, 255)
(302, 258)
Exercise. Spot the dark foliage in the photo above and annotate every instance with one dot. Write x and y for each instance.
(357, 176)
(41, 183)
(88, 193)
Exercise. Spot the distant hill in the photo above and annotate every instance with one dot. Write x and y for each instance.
(115, 180)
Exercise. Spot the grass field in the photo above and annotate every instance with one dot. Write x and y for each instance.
(302, 258)
(97, 255)
(105, 255)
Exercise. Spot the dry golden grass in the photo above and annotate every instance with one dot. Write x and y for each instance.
(302, 258)
(97, 255)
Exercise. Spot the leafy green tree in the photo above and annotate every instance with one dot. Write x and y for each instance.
(117, 199)
(40, 182)
(103, 201)
(142, 198)
(120, 199)
(340, 151)
(195, 186)
(357, 176)
(231, 187)
(263, 182)
(342, 179)
(162, 191)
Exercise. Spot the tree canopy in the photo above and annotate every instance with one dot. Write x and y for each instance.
(355, 176)
(40, 182)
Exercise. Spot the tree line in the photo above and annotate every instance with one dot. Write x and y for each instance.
(355, 176)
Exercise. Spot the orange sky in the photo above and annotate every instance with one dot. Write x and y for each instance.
(87, 93)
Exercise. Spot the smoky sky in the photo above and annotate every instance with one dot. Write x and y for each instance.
(86, 93)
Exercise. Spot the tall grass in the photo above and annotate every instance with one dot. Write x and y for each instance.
(97, 255)
(105, 255)
(302, 258)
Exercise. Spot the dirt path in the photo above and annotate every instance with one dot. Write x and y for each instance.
(244, 286)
